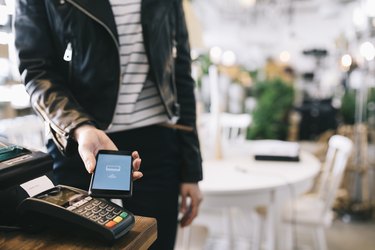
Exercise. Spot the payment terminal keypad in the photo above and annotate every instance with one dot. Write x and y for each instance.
(99, 211)
(73, 209)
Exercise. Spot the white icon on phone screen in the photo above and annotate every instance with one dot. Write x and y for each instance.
(112, 171)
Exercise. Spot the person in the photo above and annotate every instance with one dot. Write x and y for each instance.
(116, 74)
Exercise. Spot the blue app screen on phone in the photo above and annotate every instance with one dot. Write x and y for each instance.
(112, 172)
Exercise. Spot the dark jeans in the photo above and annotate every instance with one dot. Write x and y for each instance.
(156, 193)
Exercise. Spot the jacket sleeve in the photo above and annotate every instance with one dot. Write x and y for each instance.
(189, 142)
(39, 68)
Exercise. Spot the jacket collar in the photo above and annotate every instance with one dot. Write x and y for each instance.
(101, 10)
(152, 10)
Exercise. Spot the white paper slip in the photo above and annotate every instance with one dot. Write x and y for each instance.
(37, 185)
(276, 148)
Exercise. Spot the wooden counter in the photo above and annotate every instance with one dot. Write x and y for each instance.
(142, 235)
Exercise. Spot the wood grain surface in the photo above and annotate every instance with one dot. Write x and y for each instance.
(141, 236)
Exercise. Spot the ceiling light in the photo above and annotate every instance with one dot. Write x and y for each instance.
(247, 3)
(215, 54)
(359, 18)
(367, 50)
(369, 7)
(346, 61)
(228, 58)
(284, 56)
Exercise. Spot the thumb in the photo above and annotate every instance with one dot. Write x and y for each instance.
(88, 159)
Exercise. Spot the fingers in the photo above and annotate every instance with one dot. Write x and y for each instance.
(192, 192)
(183, 205)
(193, 213)
(190, 215)
(136, 166)
(135, 154)
(187, 211)
(184, 210)
(136, 161)
(137, 175)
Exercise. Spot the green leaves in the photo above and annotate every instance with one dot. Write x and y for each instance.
(348, 105)
(270, 118)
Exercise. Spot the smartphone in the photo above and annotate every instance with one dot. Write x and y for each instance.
(112, 177)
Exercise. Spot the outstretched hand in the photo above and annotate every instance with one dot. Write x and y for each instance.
(91, 140)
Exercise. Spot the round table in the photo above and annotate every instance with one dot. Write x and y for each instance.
(238, 180)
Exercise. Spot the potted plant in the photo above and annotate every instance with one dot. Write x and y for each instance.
(270, 117)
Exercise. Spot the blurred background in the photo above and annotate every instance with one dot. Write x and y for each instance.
(290, 70)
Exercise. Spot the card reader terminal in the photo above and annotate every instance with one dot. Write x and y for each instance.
(72, 206)
(18, 164)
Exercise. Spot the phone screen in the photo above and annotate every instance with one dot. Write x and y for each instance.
(113, 174)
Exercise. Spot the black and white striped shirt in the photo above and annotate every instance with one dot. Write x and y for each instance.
(139, 103)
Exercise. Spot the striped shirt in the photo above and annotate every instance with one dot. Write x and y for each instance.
(139, 103)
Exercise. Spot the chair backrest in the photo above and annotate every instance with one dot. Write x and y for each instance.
(234, 126)
(338, 153)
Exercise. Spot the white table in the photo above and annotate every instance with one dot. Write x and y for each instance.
(238, 180)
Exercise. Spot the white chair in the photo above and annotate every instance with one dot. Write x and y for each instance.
(234, 127)
(218, 131)
(313, 211)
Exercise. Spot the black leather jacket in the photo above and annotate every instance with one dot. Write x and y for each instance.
(84, 86)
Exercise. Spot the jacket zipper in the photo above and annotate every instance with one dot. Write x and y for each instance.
(68, 57)
(68, 52)
(107, 29)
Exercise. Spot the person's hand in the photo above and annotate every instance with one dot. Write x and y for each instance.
(90, 140)
(136, 165)
(189, 211)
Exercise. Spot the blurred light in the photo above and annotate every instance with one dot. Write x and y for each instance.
(373, 22)
(215, 54)
(228, 58)
(247, 3)
(346, 61)
(369, 7)
(11, 4)
(336, 103)
(367, 50)
(5, 93)
(20, 98)
(284, 56)
(359, 18)
(4, 67)
(194, 54)
(4, 17)
(4, 38)
(356, 79)
(15, 94)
